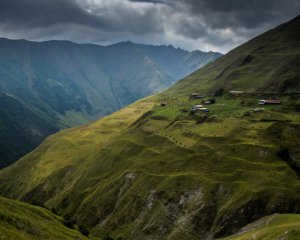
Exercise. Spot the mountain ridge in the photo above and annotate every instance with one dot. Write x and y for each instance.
(70, 84)
(246, 67)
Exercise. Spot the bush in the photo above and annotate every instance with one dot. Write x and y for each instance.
(212, 100)
(53, 210)
(69, 223)
(84, 231)
(108, 238)
(219, 92)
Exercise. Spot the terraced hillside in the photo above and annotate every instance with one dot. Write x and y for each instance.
(157, 170)
(21, 221)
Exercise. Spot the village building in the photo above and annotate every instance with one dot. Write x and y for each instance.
(236, 93)
(204, 109)
(269, 102)
(197, 96)
(258, 109)
(199, 108)
(209, 101)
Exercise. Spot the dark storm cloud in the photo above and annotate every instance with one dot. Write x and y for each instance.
(42, 12)
(47, 13)
(203, 24)
(238, 13)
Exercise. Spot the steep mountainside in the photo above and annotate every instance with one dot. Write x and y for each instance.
(276, 226)
(267, 63)
(25, 222)
(173, 61)
(70, 84)
(21, 129)
(157, 170)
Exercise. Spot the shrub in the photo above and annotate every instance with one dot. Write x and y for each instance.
(84, 231)
(219, 92)
(108, 238)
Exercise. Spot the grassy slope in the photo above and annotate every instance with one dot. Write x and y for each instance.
(250, 67)
(154, 180)
(21, 221)
(148, 171)
(277, 226)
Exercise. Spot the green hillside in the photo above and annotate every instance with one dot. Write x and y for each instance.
(156, 170)
(21, 221)
(277, 226)
(267, 63)
(64, 84)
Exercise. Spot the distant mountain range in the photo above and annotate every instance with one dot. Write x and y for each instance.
(47, 86)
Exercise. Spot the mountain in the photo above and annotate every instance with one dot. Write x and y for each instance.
(267, 63)
(21, 129)
(25, 222)
(62, 84)
(178, 63)
(157, 170)
(276, 226)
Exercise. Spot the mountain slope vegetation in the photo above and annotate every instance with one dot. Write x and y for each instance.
(267, 63)
(276, 226)
(70, 84)
(157, 170)
(26, 222)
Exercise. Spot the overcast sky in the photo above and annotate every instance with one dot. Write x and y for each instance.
(216, 25)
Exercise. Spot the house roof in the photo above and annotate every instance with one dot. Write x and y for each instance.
(270, 101)
(236, 91)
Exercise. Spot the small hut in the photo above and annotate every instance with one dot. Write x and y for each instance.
(269, 102)
(193, 95)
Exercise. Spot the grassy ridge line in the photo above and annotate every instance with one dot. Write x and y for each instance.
(250, 67)
(21, 221)
(277, 226)
(81, 140)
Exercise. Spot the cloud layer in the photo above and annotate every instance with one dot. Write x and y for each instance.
(216, 25)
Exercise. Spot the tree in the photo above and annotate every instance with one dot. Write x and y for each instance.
(219, 92)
